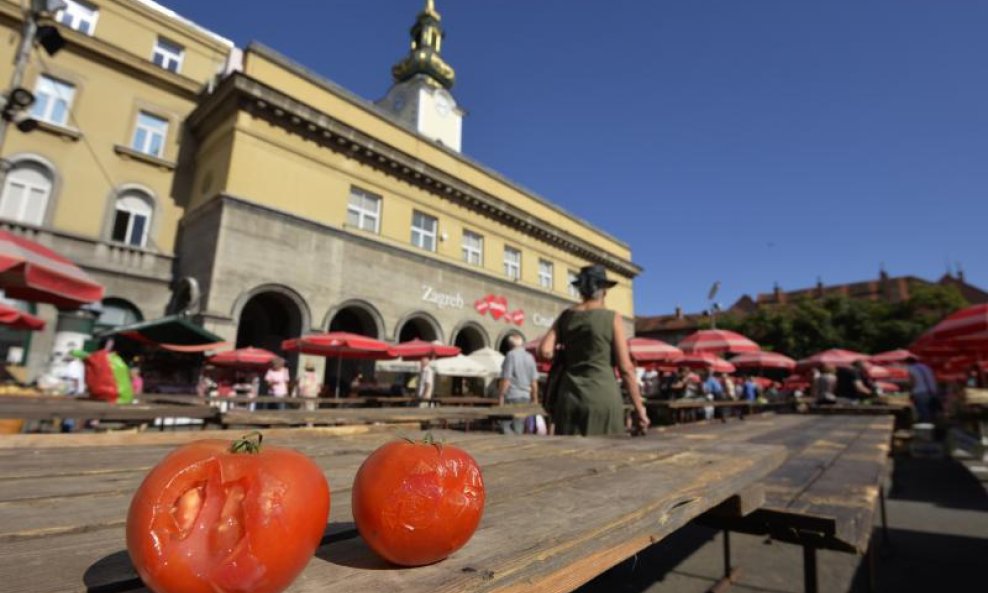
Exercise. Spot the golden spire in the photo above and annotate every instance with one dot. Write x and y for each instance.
(427, 37)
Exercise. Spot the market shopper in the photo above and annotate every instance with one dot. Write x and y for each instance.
(923, 390)
(518, 383)
(426, 382)
(277, 379)
(309, 386)
(583, 342)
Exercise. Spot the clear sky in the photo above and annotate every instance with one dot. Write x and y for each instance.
(745, 141)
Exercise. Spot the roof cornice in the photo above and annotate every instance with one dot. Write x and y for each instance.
(282, 110)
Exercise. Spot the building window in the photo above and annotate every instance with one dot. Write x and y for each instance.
(131, 219)
(26, 191)
(512, 263)
(545, 274)
(424, 231)
(473, 248)
(149, 134)
(571, 277)
(168, 55)
(52, 100)
(363, 211)
(78, 15)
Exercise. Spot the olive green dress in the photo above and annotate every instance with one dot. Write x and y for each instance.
(587, 399)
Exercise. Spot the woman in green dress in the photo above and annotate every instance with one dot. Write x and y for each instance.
(585, 343)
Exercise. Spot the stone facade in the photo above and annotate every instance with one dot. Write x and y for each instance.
(323, 270)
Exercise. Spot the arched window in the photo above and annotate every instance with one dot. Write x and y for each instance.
(26, 192)
(116, 312)
(132, 218)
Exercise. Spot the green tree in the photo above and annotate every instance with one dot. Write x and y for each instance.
(806, 326)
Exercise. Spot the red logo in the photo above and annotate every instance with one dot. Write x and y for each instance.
(497, 306)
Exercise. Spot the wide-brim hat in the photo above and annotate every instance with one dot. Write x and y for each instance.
(595, 275)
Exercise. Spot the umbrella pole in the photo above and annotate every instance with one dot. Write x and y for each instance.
(339, 361)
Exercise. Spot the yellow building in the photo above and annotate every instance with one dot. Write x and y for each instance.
(292, 205)
(97, 181)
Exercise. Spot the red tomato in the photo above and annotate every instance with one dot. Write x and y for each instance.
(417, 503)
(208, 520)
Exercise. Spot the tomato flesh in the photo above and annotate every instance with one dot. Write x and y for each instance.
(211, 521)
(415, 503)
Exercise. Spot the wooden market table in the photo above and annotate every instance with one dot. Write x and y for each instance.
(432, 416)
(825, 494)
(559, 511)
(691, 410)
(55, 408)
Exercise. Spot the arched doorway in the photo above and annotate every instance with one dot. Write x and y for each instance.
(418, 326)
(355, 319)
(470, 338)
(266, 320)
(504, 343)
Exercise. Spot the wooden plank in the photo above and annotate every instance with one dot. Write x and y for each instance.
(825, 492)
(435, 414)
(597, 501)
(742, 504)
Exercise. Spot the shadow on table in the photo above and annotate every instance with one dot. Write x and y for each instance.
(943, 482)
(651, 565)
(111, 573)
(356, 555)
(919, 562)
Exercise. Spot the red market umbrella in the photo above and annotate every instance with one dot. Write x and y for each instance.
(717, 341)
(32, 272)
(243, 357)
(763, 360)
(891, 357)
(834, 356)
(417, 349)
(17, 319)
(875, 371)
(647, 350)
(706, 360)
(967, 322)
(340, 345)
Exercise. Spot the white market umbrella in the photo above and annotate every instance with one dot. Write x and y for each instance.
(459, 366)
(490, 358)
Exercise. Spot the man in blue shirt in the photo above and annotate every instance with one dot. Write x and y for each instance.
(712, 390)
(519, 382)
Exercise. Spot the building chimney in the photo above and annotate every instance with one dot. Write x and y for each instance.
(777, 291)
(819, 287)
(882, 274)
(960, 273)
(679, 312)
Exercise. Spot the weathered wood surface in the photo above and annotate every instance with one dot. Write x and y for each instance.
(826, 491)
(291, 402)
(433, 414)
(560, 510)
(690, 404)
(54, 407)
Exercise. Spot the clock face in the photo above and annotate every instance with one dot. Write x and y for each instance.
(443, 105)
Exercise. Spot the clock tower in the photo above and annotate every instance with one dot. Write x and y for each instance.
(420, 96)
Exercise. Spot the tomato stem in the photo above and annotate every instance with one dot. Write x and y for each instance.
(250, 443)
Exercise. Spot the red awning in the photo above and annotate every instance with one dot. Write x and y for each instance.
(32, 272)
(834, 356)
(415, 349)
(340, 345)
(17, 319)
(717, 341)
(244, 357)
(763, 360)
(644, 350)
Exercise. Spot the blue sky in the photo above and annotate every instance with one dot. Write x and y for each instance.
(749, 142)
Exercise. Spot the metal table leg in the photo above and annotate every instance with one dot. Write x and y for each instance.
(809, 569)
(731, 573)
